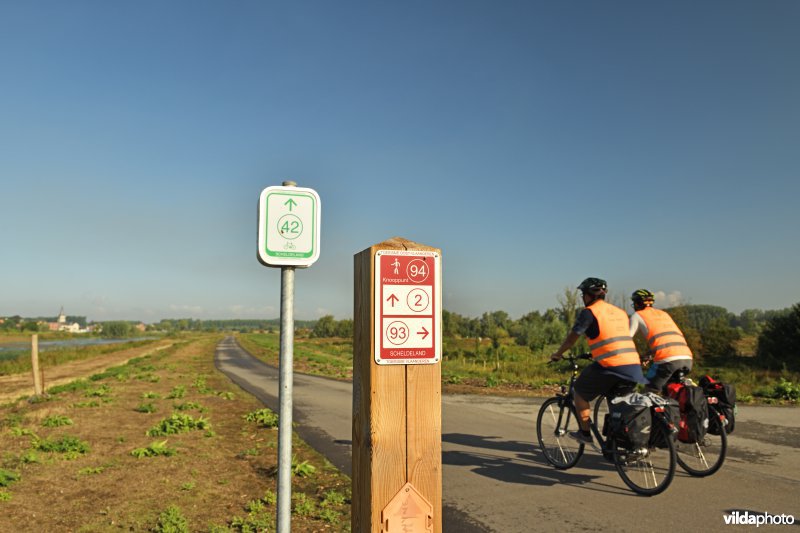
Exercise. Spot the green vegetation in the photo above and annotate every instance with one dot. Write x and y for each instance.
(116, 329)
(172, 521)
(328, 327)
(55, 421)
(331, 357)
(146, 408)
(333, 497)
(263, 417)
(180, 325)
(302, 468)
(188, 406)
(179, 391)
(99, 392)
(303, 506)
(178, 423)
(70, 446)
(73, 386)
(154, 450)
(91, 470)
(7, 477)
(779, 342)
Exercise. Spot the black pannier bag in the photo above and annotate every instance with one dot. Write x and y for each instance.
(694, 411)
(672, 412)
(629, 421)
(725, 393)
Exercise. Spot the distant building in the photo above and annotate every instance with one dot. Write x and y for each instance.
(61, 324)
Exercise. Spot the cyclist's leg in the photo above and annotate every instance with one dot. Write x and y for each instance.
(592, 382)
(659, 375)
(684, 365)
(583, 409)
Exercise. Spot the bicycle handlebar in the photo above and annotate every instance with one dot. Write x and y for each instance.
(579, 356)
(572, 358)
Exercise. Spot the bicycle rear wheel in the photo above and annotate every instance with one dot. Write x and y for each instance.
(557, 418)
(706, 457)
(647, 471)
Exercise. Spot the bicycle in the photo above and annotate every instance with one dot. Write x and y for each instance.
(647, 470)
(698, 459)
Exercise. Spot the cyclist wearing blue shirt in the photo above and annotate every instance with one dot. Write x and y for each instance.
(614, 356)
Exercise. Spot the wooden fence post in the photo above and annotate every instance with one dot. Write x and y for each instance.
(397, 443)
(37, 377)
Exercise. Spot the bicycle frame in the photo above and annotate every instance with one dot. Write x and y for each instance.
(647, 470)
(568, 395)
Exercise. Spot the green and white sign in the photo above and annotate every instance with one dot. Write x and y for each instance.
(288, 226)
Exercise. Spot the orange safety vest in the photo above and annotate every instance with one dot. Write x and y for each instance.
(663, 336)
(614, 346)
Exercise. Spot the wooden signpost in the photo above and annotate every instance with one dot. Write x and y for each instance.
(397, 427)
(38, 388)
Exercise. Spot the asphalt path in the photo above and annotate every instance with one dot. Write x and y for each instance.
(494, 478)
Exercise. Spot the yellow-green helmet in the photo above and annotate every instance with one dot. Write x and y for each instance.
(643, 297)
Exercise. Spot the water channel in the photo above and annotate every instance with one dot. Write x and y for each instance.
(12, 350)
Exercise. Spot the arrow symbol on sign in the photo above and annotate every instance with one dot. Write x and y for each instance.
(424, 332)
(392, 299)
(291, 203)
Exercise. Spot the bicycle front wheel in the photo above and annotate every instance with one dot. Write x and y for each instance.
(649, 470)
(557, 418)
(704, 458)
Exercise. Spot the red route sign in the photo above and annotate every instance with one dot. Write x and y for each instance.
(408, 307)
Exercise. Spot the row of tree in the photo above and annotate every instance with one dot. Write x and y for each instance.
(711, 331)
(234, 324)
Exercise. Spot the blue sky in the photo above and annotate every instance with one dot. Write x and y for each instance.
(654, 144)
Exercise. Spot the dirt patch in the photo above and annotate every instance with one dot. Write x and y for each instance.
(218, 478)
(17, 385)
(478, 387)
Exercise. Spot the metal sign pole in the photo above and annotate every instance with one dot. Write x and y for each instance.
(288, 237)
(285, 399)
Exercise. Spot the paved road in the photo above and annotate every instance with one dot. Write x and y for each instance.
(494, 478)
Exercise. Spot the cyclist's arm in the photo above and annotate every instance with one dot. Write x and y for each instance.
(568, 343)
(638, 325)
(584, 321)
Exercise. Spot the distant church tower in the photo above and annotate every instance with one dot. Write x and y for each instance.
(62, 318)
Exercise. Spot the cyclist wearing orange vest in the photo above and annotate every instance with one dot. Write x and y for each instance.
(664, 339)
(614, 356)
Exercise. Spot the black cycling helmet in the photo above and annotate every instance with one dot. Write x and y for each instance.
(643, 297)
(593, 286)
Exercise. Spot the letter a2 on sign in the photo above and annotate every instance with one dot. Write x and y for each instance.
(408, 307)
(288, 226)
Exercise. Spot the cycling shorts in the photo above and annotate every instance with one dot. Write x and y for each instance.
(595, 380)
(660, 373)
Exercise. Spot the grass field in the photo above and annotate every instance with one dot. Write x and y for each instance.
(163, 443)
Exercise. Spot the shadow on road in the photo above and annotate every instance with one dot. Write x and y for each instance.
(490, 443)
(527, 466)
